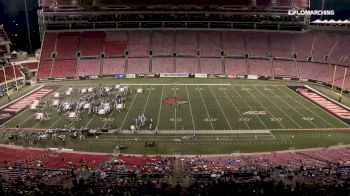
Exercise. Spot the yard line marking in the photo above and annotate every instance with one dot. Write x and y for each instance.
(189, 103)
(109, 116)
(150, 91)
(128, 111)
(279, 107)
(295, 110)
(249, 107)
(206, 109)
(88, 123)
(56, 121)
(236, 109)
(175, 108)
(23, 121)
(211, 90)
(266, 109)
(307, 107)
(160, 106)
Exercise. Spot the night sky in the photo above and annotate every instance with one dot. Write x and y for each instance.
(12, 16)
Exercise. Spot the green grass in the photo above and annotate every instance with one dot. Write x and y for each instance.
(220, 105)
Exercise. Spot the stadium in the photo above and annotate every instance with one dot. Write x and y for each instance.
(182, 98)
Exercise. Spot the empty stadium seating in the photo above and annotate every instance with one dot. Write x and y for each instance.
(138, 65)
(235, 66)
(187, 65)
(303, 44)
(88, 67)
(196, 52)
(341, 50)
(11, 73)
(323, 44)
(210, 43)
(211, 65)
(139, 43)
(113, 66)
(162, 65)
(91, 43)
(116, 43)
(163, 43)
(186, 43)
(45, 69)
(67, 45)
(233, 43)
(64, 68)
(257, 44)
(285, 68)
(281, 45)
(48, 46)
(309, 70)
(260, 67)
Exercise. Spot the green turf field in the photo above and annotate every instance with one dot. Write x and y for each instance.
(226, 115)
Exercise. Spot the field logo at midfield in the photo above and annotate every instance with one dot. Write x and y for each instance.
(174, 101)
(254, 113)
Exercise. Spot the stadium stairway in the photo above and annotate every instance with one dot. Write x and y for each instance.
(178, 175)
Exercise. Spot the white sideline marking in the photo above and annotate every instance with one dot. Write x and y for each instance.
(175, 109)
(173, 84)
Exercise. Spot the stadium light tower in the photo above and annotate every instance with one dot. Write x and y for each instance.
(322, 8)
(28, 31)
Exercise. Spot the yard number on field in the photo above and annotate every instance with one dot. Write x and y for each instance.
(210, 119)
(244, 119)
(177, 119)
(276, 119)
(308, 118)
(107, 119)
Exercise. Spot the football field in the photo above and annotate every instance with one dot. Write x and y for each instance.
(236, 115)
(206, 108)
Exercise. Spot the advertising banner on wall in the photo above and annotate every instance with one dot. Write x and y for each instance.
(120, 76)
(200, 75)
(174, 75)
(130, 75)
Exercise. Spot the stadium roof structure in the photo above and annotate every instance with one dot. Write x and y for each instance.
(332, 22)
(172, 4)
